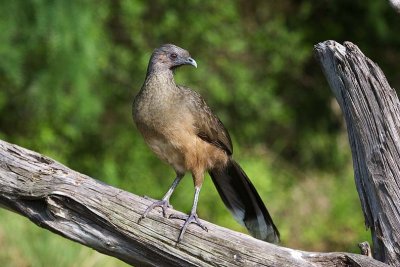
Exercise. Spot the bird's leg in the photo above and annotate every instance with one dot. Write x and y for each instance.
(164, 202)
(192, 217)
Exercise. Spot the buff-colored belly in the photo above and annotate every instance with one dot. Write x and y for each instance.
(168, 152)
(189, 153)
(179, 146)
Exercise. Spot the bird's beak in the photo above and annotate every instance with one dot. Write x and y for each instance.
(191, 61)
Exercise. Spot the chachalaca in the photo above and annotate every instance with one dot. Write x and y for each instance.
(181, 129)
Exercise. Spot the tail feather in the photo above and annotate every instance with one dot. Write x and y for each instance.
(243, 201)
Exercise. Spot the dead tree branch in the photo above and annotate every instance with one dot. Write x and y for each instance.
(372, 112)
(105, 218)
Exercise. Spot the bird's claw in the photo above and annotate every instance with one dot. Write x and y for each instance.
(192, 218)
(164, 204)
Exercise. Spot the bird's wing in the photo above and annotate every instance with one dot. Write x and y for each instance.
(208, 126)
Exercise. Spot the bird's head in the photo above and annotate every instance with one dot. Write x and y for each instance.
(170, 56)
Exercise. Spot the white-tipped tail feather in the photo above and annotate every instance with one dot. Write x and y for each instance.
(243, 201)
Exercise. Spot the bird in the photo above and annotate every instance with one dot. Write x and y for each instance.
(181, 129)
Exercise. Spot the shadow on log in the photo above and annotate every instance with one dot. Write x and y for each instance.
(105, 218)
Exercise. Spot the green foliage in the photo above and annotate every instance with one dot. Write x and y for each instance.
(24, 244)
(70, 69)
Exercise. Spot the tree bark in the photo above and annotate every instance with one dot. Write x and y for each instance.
(105, 218)
(372, 113)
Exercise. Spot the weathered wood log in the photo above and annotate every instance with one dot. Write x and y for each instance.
(372, 112)
(105, 218)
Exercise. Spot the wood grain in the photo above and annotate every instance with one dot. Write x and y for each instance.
(371, 109)
(105, 218)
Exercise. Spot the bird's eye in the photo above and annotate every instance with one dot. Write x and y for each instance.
(173, 56)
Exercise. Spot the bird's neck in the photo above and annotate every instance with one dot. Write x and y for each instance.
(161, 78)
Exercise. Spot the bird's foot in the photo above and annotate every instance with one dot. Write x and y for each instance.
(164, 204)
(192, 218)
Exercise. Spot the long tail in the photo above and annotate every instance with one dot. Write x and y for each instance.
(243, 201)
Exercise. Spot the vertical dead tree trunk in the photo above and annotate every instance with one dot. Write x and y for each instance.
(372, 113)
